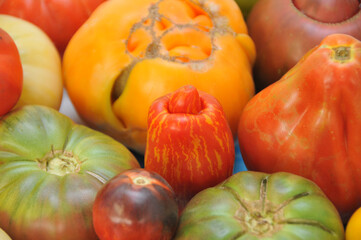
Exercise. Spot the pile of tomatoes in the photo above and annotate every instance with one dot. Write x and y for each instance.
(166, 91)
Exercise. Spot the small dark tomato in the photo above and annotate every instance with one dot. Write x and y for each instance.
(136, 204)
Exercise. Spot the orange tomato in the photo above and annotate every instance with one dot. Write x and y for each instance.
(353, 228)
(129, 53)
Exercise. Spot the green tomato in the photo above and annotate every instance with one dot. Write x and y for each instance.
(253, 205)
(51, 170)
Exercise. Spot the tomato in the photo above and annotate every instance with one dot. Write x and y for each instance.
(41, 64)
(59, 19)
(149, 48)
(189, 142)
(3, 235)
(254, 205)
(308, 123)
(51, 170)
(353, 230)
(136, 205)
(11, 73)
(285, 30)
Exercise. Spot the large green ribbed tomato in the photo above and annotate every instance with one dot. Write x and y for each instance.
(51, 170)
(258, 206)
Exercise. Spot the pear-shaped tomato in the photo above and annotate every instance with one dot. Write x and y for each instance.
(259, 206)
(42, 76)
(131, 52)
(59, 19)
(309, 122)
(51, 170)
(11, 73)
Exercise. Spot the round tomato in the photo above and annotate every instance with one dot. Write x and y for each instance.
(42, 76)
(129, 53)
(51, 170)
(254, 205)
(353, 228)
(11, 73)
(136, 205)
(59, 19)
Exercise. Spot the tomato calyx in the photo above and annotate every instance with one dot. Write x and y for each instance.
(59, 162)
(342, 53)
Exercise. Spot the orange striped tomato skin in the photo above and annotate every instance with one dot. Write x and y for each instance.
(192, 151)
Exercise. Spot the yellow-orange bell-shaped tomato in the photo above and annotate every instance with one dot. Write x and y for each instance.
(129, 53)
(353, 227)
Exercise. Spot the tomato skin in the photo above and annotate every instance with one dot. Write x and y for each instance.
(253, 205)
(308, 122)
(51, 172)
(41, 63)
(59, 19)
(11, 73)
(189, 142)
(353, 229)
(138, 68)
(136, 204)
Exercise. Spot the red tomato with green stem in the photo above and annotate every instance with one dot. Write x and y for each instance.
(11, 73)
(135, 205)
(59, 19)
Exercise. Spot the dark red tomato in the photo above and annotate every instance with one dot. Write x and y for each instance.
(137, 204)
(60, 19)
(11, 73)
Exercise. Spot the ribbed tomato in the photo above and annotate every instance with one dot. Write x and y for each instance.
(259, 206)
(11, 73)
(51, 170)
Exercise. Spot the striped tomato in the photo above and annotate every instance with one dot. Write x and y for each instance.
(189, 141)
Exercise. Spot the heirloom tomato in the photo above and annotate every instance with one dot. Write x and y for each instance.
(51, 170)
(353, 228)
(42, 76)
(11, 73)
(189, 142)
(59, 19)
(259, 206)
(136, 205)
(309, 122)
(285, 30)
(129, 53)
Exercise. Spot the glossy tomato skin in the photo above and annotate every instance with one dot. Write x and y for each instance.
(51, 170)
(59, 19)
(11, 73)
(308, 123)
(253, 205)
(189, 142)
(136, 204)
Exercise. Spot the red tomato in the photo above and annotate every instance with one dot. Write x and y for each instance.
(309, 122)
(189, 142)
(11, 73)
(59, 19)
(137, 204)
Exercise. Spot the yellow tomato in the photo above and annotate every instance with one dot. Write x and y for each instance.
(42, 82)
(3, 235)
(129, 53)
(353, 228)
